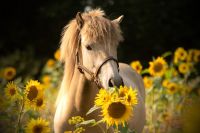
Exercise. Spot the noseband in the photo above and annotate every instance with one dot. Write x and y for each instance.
(94, 75)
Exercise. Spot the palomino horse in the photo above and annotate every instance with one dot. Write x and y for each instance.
(89, 50)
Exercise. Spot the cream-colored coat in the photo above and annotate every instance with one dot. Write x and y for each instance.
(77, 92)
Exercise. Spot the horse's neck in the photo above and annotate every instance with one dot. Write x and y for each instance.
(85, 92)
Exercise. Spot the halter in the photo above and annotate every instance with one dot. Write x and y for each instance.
(94, 75)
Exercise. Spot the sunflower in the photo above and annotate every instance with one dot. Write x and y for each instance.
(46, 80)
(39, 103)
(147, 82)
(123, 90)
(174, 72)
(131, 97)
(172, 88)
(179, 107)
(165, 82)
(118, 106)
(11, 90)
(75, 120)
(184, 68)
(9, 73)
(33, 90)
(116, 112)
(57, 54)
(68, 132)
(165, 116)
(37, 126)
(79, 130)
(136, 65)
(190, 55)
(102, 97)
(180, 55)
(158, 67)
(197, 55)
(127, 94)
(50, 63)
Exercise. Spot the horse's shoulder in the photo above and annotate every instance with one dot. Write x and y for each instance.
(127, 69)
(131, 76)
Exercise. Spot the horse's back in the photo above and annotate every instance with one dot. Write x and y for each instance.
(132, 78)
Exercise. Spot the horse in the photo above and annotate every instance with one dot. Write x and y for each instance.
(89, 53)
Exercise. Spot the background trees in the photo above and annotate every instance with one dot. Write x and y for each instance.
(150, 27)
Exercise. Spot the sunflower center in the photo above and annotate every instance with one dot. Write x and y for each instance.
(137, 67)
(158, 67)
(39, 102)
(9, 73)
(184, 67)
(198, 57)
(37, 129)
(129, 98)
(12, 91)
(32, 93)
(116, 109)
(172, 88)
(122, 94)
(181, 54)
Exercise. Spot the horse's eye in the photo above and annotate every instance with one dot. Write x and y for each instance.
(88, 47)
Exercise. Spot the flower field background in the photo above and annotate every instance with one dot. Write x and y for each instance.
(29, 88)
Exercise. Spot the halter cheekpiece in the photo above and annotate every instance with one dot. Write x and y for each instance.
(83, 69)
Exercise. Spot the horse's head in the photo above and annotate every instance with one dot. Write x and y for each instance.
(97, 51)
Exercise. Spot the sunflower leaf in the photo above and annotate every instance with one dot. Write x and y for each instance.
(145, 71)
(87, 122)
(168, 74)
(96, 123)
(18, 80)
(166, 54)
(92, 109)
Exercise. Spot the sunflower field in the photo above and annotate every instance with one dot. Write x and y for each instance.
(172, 81)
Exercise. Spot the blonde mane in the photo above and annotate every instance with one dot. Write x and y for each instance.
(96, 28)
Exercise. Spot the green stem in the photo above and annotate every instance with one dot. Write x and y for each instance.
(20, 115)
(101, 128)
(152, 109)
(106, 129)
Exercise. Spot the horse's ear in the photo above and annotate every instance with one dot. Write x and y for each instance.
(79, 20)
(119, 19)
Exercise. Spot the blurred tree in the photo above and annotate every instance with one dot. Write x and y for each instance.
(149, 27)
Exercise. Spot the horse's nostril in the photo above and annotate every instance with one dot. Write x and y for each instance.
(122, 82)
(111, 82)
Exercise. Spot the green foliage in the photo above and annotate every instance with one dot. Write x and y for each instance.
(174, 110)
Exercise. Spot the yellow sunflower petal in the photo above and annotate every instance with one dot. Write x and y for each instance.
(116, 113)
(102, 97)
(118, 108)
(57, 54)
(39, 103)
(11, 91)
(75, 120)
(180, 54)
(197, 55)
(158, 67)
(131, 97)
(136, 65)
(50, 63)
(33, 90)
(37, 126)
(184, 68)
(172, 88)
(147, 82)
(9, 73)
(165, 82)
